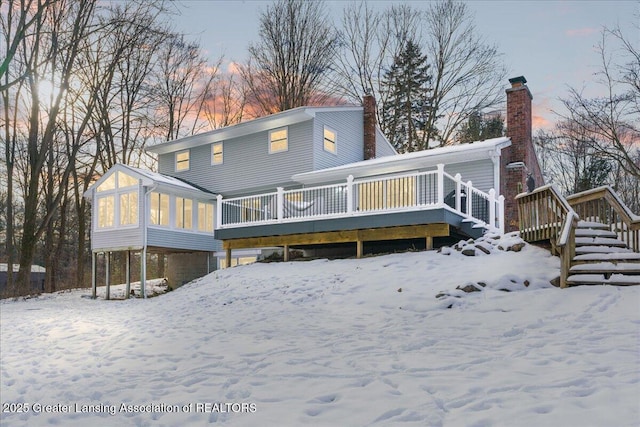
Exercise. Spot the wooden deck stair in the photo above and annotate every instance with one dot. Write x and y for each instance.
(601, 249)
(602, 258)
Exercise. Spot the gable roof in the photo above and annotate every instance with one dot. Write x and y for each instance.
(408, 161)
(150, 179)
(284, 118)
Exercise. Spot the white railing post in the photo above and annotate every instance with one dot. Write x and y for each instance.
(469, 196)
(280, 203)
(350, 194)
(219, 211)
(440, 184)
(458, 191)
(501, 213)
(492, 208)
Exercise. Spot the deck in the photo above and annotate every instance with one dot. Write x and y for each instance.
(423, 204)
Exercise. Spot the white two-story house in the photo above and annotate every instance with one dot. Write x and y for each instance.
(307, 176)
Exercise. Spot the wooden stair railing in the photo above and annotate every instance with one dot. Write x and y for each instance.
(604, 205)
(546, 215)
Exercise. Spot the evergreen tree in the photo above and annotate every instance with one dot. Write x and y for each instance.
(478, 128)
(406, 112)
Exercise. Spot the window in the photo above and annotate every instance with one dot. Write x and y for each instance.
(106, 212)
(125, 180)
(184, 213)
(205, 217)
(278, 140)
(159, 209)
(117, 204)
(108, 184)
(129, 208)
(216, 153)
(182, 161)
(329, 140)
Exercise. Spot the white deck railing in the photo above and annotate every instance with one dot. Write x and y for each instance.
(379, 195)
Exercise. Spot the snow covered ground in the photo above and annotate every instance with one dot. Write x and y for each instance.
(332, 343)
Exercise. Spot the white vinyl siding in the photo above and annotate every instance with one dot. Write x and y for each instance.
(182, 161)
(278, 140)
(329, 140)
(217, 154)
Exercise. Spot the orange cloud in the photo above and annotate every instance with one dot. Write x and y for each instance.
(580, 32)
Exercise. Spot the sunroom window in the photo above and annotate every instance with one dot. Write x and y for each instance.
(205, 217)
(159, 209)
(129, 208)
(184, 213)
(106, 211)
(278, 140)
(117, 201)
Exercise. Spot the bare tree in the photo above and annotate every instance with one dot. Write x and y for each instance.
(612, 120)
(226, 102)
(467, 72)
(370, 42)
(48, 57)
(184, 81)
(290, 63)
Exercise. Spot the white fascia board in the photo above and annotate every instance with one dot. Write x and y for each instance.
(273, 121)
(407, 162)
(115, 168)
(150, 180)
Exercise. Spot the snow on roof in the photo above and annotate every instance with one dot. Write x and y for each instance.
(4, 267)
(408, 161)
(150, 178)
(272, 121)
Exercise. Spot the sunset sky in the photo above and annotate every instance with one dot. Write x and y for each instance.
(549, 42)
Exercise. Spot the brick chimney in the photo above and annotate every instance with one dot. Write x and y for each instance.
(519, 160)
(370, 124)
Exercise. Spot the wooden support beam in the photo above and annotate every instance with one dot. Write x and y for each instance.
(286, 253)
(228, 257)
(364, 235)
(429, 243)
(359, 248)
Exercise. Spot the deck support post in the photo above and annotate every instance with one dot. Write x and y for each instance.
(227, 260)
(285, 253)
(94, 270)
(107, 275)
(359, 247)
(143, 272)
(429, 241)
(127, 290)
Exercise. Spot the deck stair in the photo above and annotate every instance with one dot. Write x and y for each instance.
(602, 258)
(595, 234)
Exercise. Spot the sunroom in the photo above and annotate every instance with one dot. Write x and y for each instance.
(141, 212)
